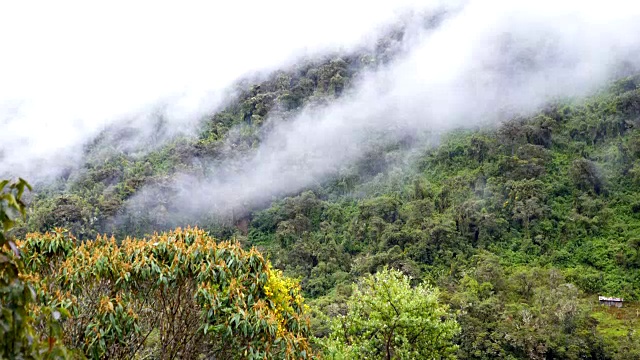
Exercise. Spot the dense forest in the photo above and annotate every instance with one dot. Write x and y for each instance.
(483, 243)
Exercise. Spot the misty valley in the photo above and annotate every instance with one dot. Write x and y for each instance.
(462, 181)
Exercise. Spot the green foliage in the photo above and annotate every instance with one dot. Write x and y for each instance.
(18, 336)
(620, 329)
(553, 195)
(387, 318)
(554, 192)
(522, 313)
(11, 205)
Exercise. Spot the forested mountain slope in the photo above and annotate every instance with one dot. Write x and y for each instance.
(94, 198)
(521, 225)
(559, 188)
(282, 180)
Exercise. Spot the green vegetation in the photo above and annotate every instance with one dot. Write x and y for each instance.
(387, 318)
(498, 239)
(619, 328)
(549, 201)
(18, 335)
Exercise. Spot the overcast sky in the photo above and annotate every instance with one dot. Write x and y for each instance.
(69, 68)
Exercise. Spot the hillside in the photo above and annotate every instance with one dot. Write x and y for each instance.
(339, 180)
(521, 226)
(499, 235)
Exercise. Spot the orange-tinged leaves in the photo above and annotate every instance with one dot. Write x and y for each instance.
(236, 290)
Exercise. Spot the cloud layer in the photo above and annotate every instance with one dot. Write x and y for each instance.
(75, 69)
(486, 61)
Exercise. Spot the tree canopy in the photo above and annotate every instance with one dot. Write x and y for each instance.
(387, 318)
(177, 294)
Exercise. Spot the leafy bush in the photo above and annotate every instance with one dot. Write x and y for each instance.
(18, 336)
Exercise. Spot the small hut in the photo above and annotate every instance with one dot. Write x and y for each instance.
(611, 301)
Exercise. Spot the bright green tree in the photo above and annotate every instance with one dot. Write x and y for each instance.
(387, 318)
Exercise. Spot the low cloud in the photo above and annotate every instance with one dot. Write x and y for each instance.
(484, 62)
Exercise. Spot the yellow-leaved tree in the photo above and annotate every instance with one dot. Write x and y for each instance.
(180, 294)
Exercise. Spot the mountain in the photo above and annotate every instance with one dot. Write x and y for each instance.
(496, 226)
(522, 226)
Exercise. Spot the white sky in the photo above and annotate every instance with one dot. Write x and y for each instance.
(68, 68)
